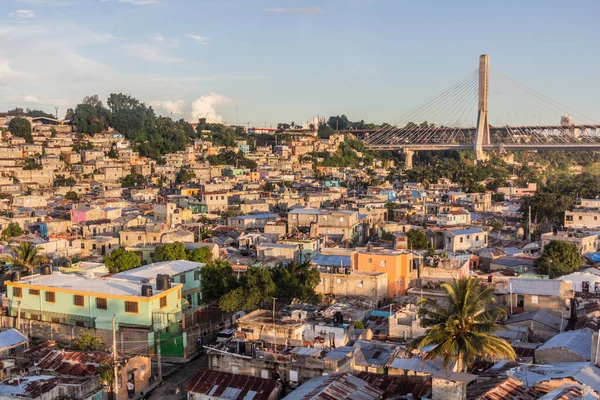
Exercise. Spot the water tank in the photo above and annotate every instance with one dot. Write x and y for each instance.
(338, 318)
(46, 269)
(163, 282)
(15, 277)
(146, 290)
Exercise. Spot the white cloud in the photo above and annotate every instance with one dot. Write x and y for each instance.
(23, 14)
(25, 98)
(6, 71)
(171, 107)
(157, 37)
(152, 54)
(306, 10)
(140, 2)
(206, 107)
(199, 39)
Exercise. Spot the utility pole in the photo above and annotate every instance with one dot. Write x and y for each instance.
(56, 111)
(274, 331)
(115, 377)
(158, 358)
(529, 228)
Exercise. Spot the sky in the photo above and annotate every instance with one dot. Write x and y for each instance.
(260, 62)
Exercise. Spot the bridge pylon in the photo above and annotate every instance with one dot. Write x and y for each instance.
(482, 134)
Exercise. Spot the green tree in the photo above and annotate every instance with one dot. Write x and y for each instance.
(498, 197)
(86, 119)
(121, 260)
(169, 252)
(21, 127)
(201, 254)
(71, 195)
(269, 187)
(184, 176)
(13, 229)
(25, 257)
(256, 289)
(559, 258)
(31, 163)
(133, 180)
(297, 281)
(60, 180)
(217, 279)
(87, 341)
(417, 239)
(463, 330)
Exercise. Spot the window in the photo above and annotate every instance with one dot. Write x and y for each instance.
(78, 300)
(79, 323)
(131, 306)
(467, 236)
(83, 245)
(55, 320)
(534, 299)
(94, 246)
(17, 292)
(360, 284)
(461, 239)
(569, 218)
(163, 302)
(196, 275)
(139, 238)
(101, 303)
(50, 297)
(477, 238)
(341, 219)
(34, 292)
(182, 278)
(370, 261)
(222, 197)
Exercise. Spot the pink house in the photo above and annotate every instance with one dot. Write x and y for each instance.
(78, 216)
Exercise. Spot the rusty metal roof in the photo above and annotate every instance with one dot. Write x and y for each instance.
(336, 387)
(66, 362)
(394, 386)
(231, 386)
(510, 389)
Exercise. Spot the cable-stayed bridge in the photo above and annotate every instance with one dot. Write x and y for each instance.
(460, 118)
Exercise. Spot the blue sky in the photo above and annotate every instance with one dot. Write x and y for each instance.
(290, 60)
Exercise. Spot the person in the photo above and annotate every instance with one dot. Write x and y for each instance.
(130, 391)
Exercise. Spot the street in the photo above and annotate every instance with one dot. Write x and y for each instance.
(177, 377)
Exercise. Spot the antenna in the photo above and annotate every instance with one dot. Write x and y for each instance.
(237, 114)
(56, 111)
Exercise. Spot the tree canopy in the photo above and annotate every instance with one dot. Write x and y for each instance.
(202, 255)
(559, 258)
(462, 331)
(169, 252)
(121, 260)
(417, 239)
(21, 127)
(13, 229)
(256, 287)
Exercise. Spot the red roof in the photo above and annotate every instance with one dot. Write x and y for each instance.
(215, 383)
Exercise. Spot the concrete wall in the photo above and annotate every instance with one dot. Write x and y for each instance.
(442, 389)
(369, 285)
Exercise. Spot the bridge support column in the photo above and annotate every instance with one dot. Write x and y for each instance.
(408, 158)
(482, 135)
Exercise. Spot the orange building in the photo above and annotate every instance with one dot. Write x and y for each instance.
(397, 264)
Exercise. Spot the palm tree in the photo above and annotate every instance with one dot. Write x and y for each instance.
(25, 256)
(462, 330)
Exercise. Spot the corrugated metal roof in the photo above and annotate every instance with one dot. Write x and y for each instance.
(11, 338)
(331, 260)
(231, 386)
(539, 316)
(540, 287)
(579, 341)
(336, 387)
